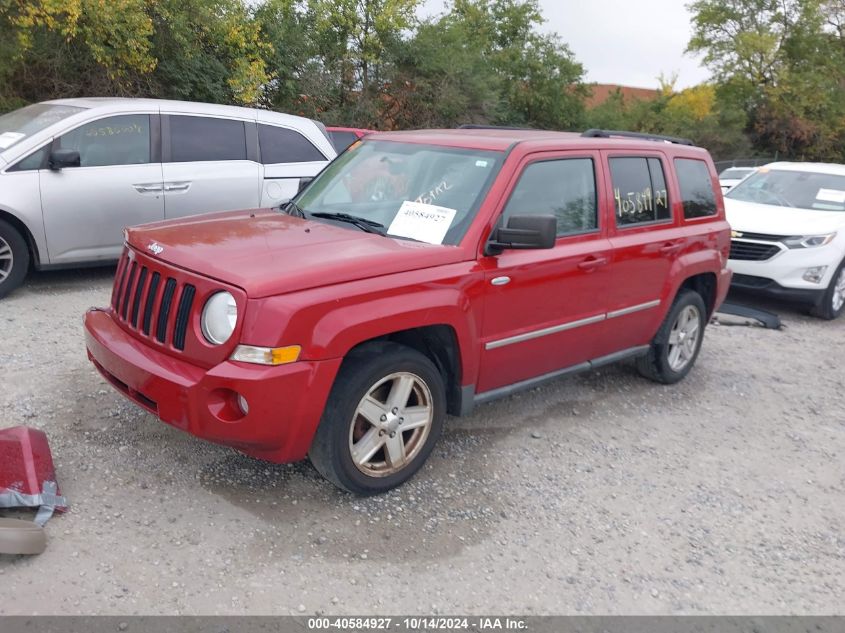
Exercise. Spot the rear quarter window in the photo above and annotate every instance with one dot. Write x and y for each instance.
(342, 140)
(281, 145)
(696, 188)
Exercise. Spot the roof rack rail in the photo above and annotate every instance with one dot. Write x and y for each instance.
(478, 126)
(594, 133)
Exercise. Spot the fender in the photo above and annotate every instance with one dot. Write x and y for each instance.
(690, 264)
(34, 236)
(329, 321)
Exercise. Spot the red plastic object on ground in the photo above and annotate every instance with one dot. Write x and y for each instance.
(27, 475)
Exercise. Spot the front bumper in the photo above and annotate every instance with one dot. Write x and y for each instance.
(770, 288)
(285, 402)
(786, 269)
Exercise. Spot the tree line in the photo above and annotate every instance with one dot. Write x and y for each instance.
(777, 88)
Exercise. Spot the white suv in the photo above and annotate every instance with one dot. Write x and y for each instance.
(788, 238)
(75, 172)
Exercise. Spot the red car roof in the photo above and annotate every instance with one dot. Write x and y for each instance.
(501, 139)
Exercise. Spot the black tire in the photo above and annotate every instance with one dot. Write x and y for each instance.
(656, 364)
(364, 369)
(14, 258)
(826, 309)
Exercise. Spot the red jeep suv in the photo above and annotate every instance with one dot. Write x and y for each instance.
(421, 273)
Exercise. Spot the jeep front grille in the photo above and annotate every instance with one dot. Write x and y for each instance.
(163, 309)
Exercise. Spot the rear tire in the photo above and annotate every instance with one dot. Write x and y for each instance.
(675, 347)
(833, 300)
(382, 419)
(14, 258)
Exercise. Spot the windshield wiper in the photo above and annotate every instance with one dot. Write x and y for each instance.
(364, 224)
(291, 208)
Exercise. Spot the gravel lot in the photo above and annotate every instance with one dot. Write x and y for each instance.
(600, 493)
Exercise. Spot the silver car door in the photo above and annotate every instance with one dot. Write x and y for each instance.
(118, 183)
(208, 165)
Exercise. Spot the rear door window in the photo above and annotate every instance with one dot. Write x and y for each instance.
(639, 190)
(281, 145)
(696, 188)
(197, 139)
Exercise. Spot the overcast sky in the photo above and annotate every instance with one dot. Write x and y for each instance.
(628, 42)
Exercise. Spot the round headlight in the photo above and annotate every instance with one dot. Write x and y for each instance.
(219, 317)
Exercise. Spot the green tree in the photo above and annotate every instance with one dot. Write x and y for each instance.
(541, 83)
(484, 61)
(441, 79)
(352, 37)
(782, 62)
(287, 26)
(207, 50)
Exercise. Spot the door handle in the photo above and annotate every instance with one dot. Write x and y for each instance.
(592, 262)
(148, 188)
(671, 247)
(177, 186)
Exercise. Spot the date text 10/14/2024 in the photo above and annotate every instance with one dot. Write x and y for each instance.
(417, 623)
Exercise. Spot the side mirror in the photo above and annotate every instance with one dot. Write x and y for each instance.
(61, 158)
(524, 232)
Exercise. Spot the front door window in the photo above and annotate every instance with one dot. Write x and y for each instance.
(117, 140)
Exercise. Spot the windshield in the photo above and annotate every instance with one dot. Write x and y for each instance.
(419, 192)
(15, 126)
(799, 189)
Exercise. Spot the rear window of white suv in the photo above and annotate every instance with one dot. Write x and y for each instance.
(788, 188)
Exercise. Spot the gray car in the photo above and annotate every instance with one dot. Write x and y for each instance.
(75, 172)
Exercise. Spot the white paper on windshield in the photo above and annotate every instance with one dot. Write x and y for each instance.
(831, 195)
(423, 222)
(7, 139)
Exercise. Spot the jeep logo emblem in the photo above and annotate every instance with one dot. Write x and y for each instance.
(155, 248)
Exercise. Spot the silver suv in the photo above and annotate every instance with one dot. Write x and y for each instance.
(75, 172)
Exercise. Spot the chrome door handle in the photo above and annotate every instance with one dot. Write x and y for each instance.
(147, 188)
(177, 186)
(500, 281)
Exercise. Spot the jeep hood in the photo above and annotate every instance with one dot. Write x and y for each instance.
(765, 218)
(266, 252)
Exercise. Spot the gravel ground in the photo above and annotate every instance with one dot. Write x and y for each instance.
(600, 493)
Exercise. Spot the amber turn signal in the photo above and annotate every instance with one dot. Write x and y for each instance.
(267, 355)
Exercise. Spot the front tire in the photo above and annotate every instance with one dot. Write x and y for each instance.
(14, 258)
(676, 345)
(382, 419)
(833, 300)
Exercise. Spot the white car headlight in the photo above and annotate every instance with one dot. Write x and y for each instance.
(219, 317)
(809, 241)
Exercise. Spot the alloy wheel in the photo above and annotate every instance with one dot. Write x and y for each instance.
(683, 338)
(7, 259)
(391, 424)
(838, 297)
